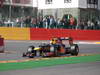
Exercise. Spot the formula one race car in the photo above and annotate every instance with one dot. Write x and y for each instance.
(56, 47)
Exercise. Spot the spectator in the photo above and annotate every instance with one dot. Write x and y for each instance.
(52, 22)
(72, 23)
(66, 23)
(92, 25)
(33, 22)
(41, 22)
(48, 21)
(98, 23)
(28, 21)
(88, 24)
(45, 25)
(59, 24)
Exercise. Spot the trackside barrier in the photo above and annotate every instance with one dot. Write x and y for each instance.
(14, 33)
(1, 45)
(47, 34)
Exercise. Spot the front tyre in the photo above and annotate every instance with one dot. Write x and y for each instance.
(24, 55)
(31, 55)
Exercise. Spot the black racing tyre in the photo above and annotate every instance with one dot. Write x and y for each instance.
(24, 55)
(74, 49)
(31, 55)
(56, 48)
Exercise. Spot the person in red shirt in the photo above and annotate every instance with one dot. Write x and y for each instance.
(72, 23)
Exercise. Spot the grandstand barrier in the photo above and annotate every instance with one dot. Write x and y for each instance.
(14, 33)
(47, 34)
(1, 44)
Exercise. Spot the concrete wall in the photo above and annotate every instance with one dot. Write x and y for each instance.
(77, 8)
(57, 4)
(35, 3)
(99, 4)
(58, 13)
(82, 4)
(17, 11)
(60, 4)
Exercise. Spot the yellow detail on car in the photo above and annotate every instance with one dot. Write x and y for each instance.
(37, 48)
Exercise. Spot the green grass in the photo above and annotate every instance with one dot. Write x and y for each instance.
(48, 62)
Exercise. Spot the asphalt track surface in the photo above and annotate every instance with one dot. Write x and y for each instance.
(14, 50)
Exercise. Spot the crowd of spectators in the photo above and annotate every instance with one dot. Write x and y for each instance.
(49, 22)
(89, 24)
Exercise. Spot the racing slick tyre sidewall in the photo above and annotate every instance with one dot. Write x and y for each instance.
(24, 55)
(56, 48)
(31, 55)
(74, 49)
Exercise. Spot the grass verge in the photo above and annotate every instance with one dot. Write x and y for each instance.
(48, 62)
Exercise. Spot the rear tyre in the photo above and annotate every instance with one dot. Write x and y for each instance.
(74, 49)
(56, 50)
